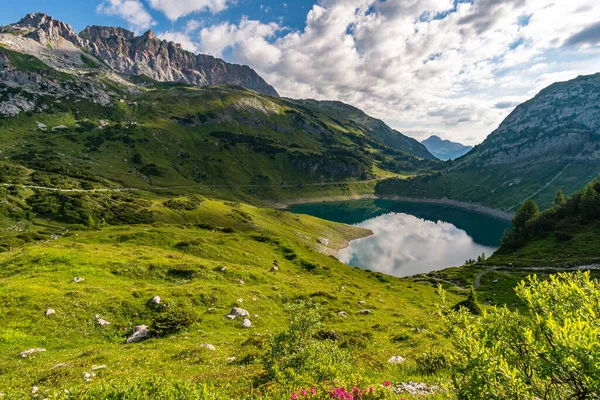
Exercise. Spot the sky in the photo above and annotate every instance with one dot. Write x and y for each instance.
(453, 68)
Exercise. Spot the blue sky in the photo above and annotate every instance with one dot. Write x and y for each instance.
(453, 68)
(80, 13)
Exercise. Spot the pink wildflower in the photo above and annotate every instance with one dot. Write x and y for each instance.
(294, 396)
(313, 391)
(387, 384)
(303, 393)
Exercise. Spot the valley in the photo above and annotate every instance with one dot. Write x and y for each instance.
(171, 227)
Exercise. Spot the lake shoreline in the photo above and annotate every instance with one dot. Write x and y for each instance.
(475, 207)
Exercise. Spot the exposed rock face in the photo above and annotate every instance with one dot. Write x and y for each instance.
(44, 29)
(22, 91)
(166, 61)
(561, 123)
(142, 55)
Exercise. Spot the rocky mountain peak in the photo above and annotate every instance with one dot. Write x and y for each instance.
(129, 54)
(105, 32)
(149, 35)
(44, 29)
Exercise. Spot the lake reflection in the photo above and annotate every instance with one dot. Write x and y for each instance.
(410, 238)
(404, 245)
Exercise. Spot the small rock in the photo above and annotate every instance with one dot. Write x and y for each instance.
(362, 302)
(343, 314)
(100, 321)
(230, 360)
(246, 323)
(139, 333)
(414, 388)
(156, 300)
(274, 268)
(50, 312)
(241, 281)
(98, 367)
(211, 310)
(27, 353)
(323, 241)
(396, 360)
(78, 280)
(223, 269)
(366, 312)
(59, 366)
(237, 312)
(87, 376)
(208, 346)
(240, 300)
(35, 389)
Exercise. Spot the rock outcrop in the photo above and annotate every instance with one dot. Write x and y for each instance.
(166, 61)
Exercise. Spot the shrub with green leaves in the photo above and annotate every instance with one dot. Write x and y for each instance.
(298, 356)
(550, 353)
(173, 319)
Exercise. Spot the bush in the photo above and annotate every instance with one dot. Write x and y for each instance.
(173, 319)
(433, 361)
(299, 355)
(549, 354)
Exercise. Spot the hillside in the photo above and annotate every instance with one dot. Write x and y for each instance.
(445, 149)
(135, 132)
(549, 142)
(202, 258)
(565, 234)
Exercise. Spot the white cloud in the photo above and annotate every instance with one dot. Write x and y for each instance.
(175, 9)
(422, 65)
(248, 40)
(132, 11)
(178, 37)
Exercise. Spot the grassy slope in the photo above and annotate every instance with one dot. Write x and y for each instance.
(498, 187)
(125, 266)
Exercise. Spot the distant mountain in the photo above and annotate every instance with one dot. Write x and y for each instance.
(126, 53)
(445, 149)
(549, 142)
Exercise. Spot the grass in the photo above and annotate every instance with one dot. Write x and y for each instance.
(197, 258)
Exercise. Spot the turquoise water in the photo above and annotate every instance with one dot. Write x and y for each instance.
(410, 238)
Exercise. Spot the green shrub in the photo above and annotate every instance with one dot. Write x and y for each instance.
(190, 203)
(298, 355)
(548, 354)
(432, 362)
(173, 319)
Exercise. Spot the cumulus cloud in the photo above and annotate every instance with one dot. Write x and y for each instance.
(175, 9)
(182, 38)
(248, 40)
(132, 11)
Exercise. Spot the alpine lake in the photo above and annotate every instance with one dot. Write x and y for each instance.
(410, 238)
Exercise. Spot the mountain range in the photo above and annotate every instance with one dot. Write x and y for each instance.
(152, 112)
(445, 149)
(119, 50)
